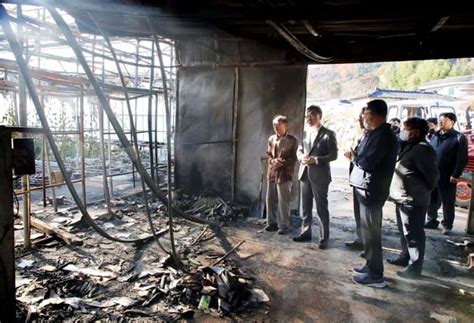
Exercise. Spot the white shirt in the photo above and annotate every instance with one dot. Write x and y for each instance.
(313, 133)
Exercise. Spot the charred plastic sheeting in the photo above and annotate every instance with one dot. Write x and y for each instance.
(204, 134)
(209, 108)
(265, 92)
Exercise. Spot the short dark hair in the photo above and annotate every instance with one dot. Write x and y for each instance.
(451, 116)
(377, 107)
(314, 109)
(418, 123)
(280, 119)
(395, 119)
(432, 120)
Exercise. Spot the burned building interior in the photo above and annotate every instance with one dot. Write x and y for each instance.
(135, 185)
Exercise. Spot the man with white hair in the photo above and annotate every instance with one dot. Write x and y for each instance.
(281, 153)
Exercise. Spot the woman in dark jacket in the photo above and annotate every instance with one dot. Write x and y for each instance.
(415, 177)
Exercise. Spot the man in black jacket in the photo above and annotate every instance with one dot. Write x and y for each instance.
(376, 156)
(416, 175)
(451, 155)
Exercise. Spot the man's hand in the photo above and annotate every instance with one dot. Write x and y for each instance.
(308, 160)
(453, 180)
(277, 163)
(348, 154)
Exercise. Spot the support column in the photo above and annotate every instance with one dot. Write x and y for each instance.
(470, 215)
(23, 123)
(7, 251)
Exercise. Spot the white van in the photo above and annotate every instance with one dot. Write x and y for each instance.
(425, 109)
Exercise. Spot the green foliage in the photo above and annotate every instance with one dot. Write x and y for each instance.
(409, 75)
(350, 80)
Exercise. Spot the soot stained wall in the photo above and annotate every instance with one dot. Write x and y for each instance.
(215, 98)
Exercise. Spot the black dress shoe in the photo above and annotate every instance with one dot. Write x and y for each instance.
(431, 224)
(362, 254)
(271, 228)
(323, 245)
(409, 272)
(302, 238)
(355, 245)
(398, 262)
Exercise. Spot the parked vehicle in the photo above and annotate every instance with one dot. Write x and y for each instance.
(464, 186)
(425, 109)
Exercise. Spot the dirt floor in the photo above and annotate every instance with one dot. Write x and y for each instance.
(307, 284)
(304, 283)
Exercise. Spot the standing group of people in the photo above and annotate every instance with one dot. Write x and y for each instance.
(425, 165)
(314, 153)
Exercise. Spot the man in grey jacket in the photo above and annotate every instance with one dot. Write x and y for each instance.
(416, 175)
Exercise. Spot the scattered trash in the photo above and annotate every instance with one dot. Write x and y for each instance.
(258, 296)
(48, 268)
(81, 282)
(24, 263)
(443, 318)
(90, 271)
(470, 261)
(465, 243)
(204, 302)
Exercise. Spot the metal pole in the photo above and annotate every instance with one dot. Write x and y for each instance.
(102, 154)
(53, 190)
(150, 113)
(156, 139)
(23, 68)
(24, 123)
(43, 169)
(176, 123)
(112, 118)
(234, 133)
(7, 249)
(109, 156)
(136, 105)
(168, 146)
(81, 137)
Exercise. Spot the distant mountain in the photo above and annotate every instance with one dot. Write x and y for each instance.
(343, 81)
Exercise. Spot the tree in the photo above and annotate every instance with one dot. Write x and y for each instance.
(409, 75)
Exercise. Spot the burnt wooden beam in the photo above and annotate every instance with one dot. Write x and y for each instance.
(52, 230)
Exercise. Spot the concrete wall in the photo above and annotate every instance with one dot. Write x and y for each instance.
(226, 101)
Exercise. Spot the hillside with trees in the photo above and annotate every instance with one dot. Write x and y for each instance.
(344, 81)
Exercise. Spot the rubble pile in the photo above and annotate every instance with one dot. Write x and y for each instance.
(66, 291)
(106, 280)
(212, 208)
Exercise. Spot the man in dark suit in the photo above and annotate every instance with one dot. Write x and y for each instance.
(375, 157)
(451, 155)
(318, 148)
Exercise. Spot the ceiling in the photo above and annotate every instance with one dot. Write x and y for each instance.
(332, 31)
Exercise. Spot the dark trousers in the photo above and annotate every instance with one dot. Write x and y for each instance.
(318, 191)
(356, 214)
(410, 222)
(371, 230)
(445, 193)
